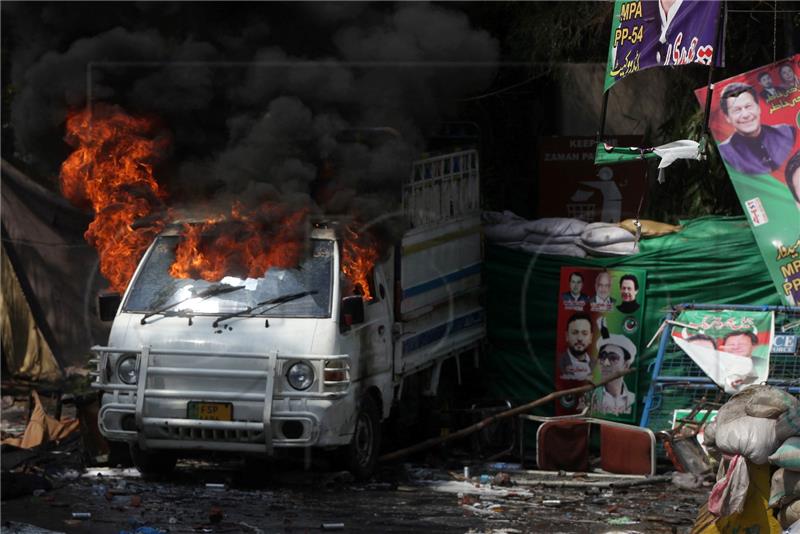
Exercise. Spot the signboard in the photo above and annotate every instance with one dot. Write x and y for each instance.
(731, 347)
(653, 33)
(599, 329)
(784, 344)
(755, 120)
(571, 186)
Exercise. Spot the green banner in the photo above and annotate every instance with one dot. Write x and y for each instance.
(755, 121)
(609, 155)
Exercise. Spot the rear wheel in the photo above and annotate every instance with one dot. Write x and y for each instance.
(361, 455)
(153, 464)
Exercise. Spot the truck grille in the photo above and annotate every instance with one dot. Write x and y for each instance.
(208, 434)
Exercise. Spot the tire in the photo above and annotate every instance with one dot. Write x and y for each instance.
(361, 455)
(153, 464)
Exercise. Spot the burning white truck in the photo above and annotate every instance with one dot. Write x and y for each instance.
(293, 358)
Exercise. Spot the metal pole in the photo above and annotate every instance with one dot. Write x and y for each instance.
(601, 133)
(719, 41)
(662, 346)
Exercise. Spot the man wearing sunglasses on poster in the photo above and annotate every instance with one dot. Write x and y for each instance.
(615, 353)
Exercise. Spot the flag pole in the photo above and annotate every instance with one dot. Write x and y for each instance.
(602, 131)
(717, 50)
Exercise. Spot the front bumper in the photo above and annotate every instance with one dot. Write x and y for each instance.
(267, 412)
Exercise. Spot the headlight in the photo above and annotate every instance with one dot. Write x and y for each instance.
(126, 368)
(300, 376)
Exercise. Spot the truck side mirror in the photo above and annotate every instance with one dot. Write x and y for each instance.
(352, 310)
(107, 305)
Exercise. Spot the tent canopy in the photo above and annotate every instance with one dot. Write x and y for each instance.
(50, 282)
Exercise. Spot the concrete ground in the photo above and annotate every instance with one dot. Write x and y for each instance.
(202, 497)
(51, 490)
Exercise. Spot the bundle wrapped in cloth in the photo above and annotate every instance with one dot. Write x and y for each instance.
(754, 423)
(608, 239)
(785, 487)
(562, 236)
(555, 236)
(762, 425)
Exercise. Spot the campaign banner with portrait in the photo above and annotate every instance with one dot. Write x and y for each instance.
(731, 347)
(598, 333)
(654, 33)
(755, 121)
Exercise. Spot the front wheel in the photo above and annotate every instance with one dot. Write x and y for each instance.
(361, 455)
(153, 464)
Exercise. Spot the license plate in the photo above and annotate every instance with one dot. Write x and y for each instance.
(212, 411)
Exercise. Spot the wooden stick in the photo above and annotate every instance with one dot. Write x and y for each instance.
(432, 442)
(589, 484)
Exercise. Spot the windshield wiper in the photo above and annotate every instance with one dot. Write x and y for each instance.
(210, 291)
(283, 299)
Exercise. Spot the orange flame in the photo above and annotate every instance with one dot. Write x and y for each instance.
(111, 171)
(241, 244)
(359, 255)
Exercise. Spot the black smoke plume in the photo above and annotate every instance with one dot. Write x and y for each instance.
(309, 104)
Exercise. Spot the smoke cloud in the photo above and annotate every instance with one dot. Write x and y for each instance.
(321, 105)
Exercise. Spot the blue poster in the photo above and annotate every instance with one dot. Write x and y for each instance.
(653, 33)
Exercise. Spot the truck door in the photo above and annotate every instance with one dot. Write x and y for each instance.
(376, 341)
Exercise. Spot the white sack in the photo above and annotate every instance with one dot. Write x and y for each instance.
(556, 226)
(505, 232)
(770, 402)
(784, 487)
(614, 249)
(788, 424)
(541, 239)
(738, 433)
(752, 437)
(607, 234)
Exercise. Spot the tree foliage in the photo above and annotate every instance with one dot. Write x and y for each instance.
(549, 34)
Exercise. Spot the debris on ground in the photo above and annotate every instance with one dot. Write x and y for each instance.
(42, 427)
(12, 527)
(459, 496)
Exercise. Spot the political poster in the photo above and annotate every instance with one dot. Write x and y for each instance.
(731, 347)
(571, 186)
(652, 33)
(755, 121)
(598, 335)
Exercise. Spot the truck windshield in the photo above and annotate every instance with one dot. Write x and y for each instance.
(155, 289)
